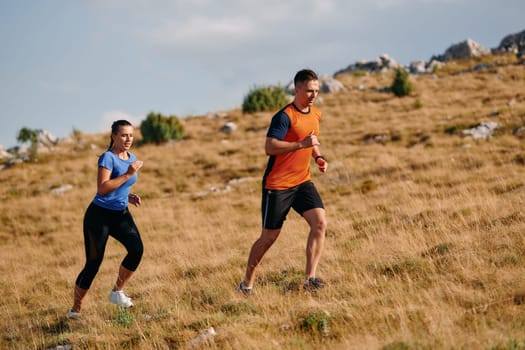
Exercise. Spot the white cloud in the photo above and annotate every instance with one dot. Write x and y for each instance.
(202, 31)
(209, 26)
(324, 7)
(387, 4)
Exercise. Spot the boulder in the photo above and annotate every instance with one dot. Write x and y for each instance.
(464, 50)
(229, 127)
(381, 64)
(329, 85)
(4, 153)
(482, 131)
(513, 43)
(46, 139)
(434, 64)
(417, 67)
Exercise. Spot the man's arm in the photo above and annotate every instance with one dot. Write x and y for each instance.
(274, 146)
(321, 162)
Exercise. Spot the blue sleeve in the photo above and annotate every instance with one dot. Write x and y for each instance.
(106, 161)
(279, 126)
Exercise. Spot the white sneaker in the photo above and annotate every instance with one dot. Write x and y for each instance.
(73, 314)
(119, 298)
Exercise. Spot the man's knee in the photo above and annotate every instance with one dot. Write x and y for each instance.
(321, 225)
(269, 236)
(317, 220)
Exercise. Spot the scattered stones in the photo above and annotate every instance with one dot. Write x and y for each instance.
(327, 83)
(229, 127)
(4, 153)
(519, 131)
(285, 327)
(61, 347)
(61, 189)
(376, 138)
(205, 337)
(482, 131)
(381, 64)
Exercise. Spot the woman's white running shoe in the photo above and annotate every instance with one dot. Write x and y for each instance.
(73, 314)
(118, 297)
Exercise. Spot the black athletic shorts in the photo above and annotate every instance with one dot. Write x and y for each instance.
(277, 203)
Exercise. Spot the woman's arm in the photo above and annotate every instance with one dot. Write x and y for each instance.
(104, 182)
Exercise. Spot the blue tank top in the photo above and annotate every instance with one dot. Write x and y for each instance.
(118, 198)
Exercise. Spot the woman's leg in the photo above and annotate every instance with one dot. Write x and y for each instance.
(78, 296)
(128, 234)
(95, 239)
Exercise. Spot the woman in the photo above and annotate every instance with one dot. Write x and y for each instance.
(108, 215)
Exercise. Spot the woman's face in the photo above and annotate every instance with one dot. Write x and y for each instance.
(123, 139)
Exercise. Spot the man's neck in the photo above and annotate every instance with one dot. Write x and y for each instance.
(300, 107)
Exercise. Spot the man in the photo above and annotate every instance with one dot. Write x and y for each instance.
(291, 141)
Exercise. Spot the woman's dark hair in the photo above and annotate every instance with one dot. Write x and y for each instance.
(115, 129)
(304, 75)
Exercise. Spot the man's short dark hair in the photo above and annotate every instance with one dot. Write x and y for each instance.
(304, 75)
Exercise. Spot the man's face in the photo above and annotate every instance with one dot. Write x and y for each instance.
(306, 93)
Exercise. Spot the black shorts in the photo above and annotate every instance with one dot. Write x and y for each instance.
(277, 203)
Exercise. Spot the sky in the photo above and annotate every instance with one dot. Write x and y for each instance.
(79, 65)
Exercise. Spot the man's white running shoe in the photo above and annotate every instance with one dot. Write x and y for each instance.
(118, 297)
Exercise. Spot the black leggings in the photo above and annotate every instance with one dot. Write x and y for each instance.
(99, 224)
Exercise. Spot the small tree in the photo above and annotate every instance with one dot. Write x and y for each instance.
(157, 128)
(29, 135)
(268, 98)
(401, 85)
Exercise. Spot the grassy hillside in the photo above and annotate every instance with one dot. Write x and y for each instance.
(425, 246)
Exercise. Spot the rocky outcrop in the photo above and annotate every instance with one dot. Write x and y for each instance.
(462, 50)
(382, 63)
(45, 142)
(330, 85)
(422, 67)
(46, 139)
(513, 43)
(327, 84)
(4, 153)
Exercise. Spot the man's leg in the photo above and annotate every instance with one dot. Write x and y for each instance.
(259, 248)
(316, 218)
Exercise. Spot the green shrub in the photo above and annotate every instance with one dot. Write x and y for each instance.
(315, 322)
(124, 318)
(29, 135)
(157, 128)
(267, 98)
(401, 86)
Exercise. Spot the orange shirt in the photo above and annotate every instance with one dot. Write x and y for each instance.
(291, 169)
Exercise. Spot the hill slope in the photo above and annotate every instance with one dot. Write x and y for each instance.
(425, 246)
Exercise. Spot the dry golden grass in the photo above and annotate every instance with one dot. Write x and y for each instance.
(425, 247)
